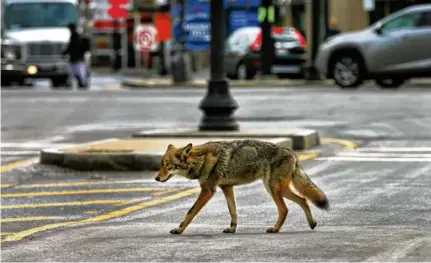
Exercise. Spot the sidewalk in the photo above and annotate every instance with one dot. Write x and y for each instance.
(145, 150)
(137, 83)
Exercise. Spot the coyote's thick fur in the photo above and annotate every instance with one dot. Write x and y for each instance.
(225, 164)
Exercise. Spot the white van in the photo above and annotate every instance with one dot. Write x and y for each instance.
(34, 35)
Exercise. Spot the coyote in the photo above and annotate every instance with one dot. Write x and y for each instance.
(229, 163)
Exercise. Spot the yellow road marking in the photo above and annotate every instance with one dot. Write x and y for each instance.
(348, 145)
(307, 156)
(30, 218)
(81, 183)
(164, 192)
(77, 203)
(10, 166)
(122, 212)
(6, 233)
(111, 87)
(90, 212)
(82, 192)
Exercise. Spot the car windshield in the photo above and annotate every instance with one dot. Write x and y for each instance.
(36, 15)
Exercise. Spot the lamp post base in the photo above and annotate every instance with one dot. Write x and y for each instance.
(218, 107)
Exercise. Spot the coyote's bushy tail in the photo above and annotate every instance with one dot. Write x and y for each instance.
(308, 189)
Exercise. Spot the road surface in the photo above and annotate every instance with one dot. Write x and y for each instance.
(379, 193)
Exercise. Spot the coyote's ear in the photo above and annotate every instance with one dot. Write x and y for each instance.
(187, 149)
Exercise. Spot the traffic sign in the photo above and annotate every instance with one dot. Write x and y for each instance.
(117, 9)
(145, 38)
(163, 24)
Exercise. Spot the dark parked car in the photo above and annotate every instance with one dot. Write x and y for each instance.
(242, 54)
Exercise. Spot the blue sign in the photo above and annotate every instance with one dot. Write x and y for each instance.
(197, 26)
(242, 18)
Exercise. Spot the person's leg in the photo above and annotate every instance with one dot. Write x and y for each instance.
(81, 73)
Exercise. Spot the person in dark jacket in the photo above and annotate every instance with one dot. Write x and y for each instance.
(76, 49)
(333, 28)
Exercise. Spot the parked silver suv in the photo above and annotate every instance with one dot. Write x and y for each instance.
(394, 49)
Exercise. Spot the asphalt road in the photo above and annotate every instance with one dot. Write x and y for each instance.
(379, 193)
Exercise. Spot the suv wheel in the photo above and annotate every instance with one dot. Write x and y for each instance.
(58, 82)
(243, 73)
(348, 71)
(389, 82)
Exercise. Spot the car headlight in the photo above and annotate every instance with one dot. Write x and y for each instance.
(10, 51)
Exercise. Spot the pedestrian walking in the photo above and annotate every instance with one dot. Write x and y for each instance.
(76, 49)
(333, 28)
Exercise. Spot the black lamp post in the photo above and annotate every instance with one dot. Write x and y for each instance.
(218, 105)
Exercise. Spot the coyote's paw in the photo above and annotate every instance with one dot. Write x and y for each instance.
(230, 230)
(312, 224)
(176, 231)
(272, 230)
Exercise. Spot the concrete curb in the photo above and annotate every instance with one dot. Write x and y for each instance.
(111, 161)
(143, 84)
(302, 139)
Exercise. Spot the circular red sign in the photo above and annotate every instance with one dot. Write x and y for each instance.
(144, 39)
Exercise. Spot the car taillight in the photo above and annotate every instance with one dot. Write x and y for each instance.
(254, 47)
(301, 39)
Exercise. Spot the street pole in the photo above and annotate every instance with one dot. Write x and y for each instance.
(318, 14)
(181, 66)
(138, 64)
(218, 105)
(124, 50)
(267, 45)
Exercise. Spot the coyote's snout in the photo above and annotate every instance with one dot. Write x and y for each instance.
(225, 164)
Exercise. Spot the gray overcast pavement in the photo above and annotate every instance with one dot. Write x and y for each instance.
(379, 197)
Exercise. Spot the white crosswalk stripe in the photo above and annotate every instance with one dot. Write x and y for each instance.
(384, 154)
(28, 148)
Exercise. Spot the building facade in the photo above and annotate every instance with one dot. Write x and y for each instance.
(350, 15)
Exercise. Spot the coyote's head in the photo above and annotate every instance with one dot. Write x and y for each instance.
(174, 162)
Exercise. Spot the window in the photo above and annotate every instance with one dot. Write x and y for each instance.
(401, 22)
(40, 14)
(425, 20)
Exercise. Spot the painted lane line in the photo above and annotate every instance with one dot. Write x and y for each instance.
(85, 183)
(82, 192)
(34, 145)
(19, 153)
(54, 204)
(21, 163)
(32, 218)
(115, 214)
(384, 154)
(394, 149)
(372, 159)
(348, 145)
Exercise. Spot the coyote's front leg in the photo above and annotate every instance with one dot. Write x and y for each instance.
(231, 204)
(205, 195)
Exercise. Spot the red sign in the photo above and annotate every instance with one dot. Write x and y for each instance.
(117, 10)
(145, 38)
(163, 23)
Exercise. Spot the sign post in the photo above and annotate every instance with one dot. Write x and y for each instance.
(118, 11)
(138, 63)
